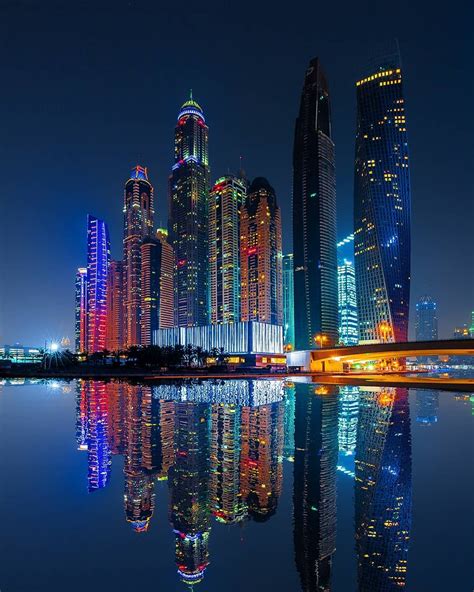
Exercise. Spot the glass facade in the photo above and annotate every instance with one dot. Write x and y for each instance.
(157, 266)
(115, 306)
(314, 214)
(426, 319)
(138, 214)
(98, 260)
(348, 319)
(382, 206)
(234, 338)
(80, 326)
(225, 203)
(188, 216)
(261, 255)
(288, 302)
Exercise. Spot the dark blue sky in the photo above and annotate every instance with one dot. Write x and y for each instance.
(91, 88)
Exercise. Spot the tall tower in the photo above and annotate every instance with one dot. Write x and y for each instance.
(314, 214)
(81, 310)
(114, 339)
(157, 286)
(98, 259)
(288, 302)
(225, 203)
(188, 212)
(348, 319)
(426, 319)
(138, 223)
(382, 205)
(261, 255)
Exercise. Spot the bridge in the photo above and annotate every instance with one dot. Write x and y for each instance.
(332, 359)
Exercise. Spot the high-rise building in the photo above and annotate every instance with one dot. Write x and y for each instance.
(81, 310)
(138, 223)
(314, 214)
(348, 320)
(288, 302)
(189, 490)
(114, 340)
(157, 290)
(383, 489)
(188, 216)
(261, 255)
(226, 497)
(261, 473)
(314, 485)
(426, 319)
(98, 260)
(382, 205)
(225, 203)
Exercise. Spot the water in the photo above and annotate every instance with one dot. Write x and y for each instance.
(252, 485)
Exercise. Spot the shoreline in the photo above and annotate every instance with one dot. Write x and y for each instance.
(383, 379)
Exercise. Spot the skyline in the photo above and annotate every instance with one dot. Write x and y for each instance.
(32, 317)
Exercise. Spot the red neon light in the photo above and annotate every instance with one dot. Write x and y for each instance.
(181, 262)
(252, 251)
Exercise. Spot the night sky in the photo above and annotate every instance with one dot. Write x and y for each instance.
(90, 89)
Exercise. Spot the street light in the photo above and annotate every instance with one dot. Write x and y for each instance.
(320, 339)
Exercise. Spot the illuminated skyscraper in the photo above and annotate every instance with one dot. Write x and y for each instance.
(348, 417)
(261, 473)
(261, 255)
(98, 259)
(427, 405)
(426, 319)
(140, 459)
(382, 205)
(114, 340)
(81, 310)
(138, 223)
(189, 489)
(99, 457)
(225, 203)
(226, 497)
(314, 214)
(157, 289)
(314, 486)
(383, 489)
(188, 216)
(288, 302)
(348, 320)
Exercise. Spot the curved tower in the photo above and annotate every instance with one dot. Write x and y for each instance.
(188, 211)
(382, 206)
(138, 223)
(314, 214)
(261, 255)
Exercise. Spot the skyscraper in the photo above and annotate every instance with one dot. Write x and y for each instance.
(188, 212)
(81, 310)
(314, 214)
(426, 319)
(138, 224)
(382, 205)
(225, 203)
(157, 267)
(288, 302)
(314, 486)
(114, 340)
(98, 259)
(348, 320)
(383, 489)
(261, 255)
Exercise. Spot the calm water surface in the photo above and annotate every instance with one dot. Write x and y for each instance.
(236, 485)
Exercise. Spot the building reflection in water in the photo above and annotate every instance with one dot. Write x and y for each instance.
(314, 489)
(221, 445)
(383, 489)
(92, 432)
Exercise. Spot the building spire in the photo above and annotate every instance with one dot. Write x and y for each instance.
(191, 94)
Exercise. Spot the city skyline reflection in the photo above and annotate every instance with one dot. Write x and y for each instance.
(223, 448)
